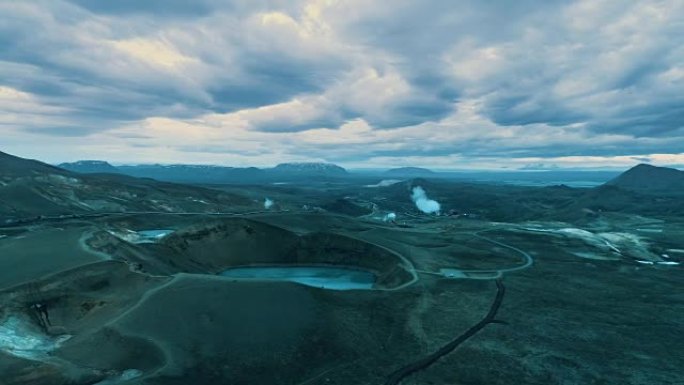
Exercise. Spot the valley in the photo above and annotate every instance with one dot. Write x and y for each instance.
(323, 286)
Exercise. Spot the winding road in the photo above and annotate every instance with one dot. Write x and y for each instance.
(494, 273)
(396, 377)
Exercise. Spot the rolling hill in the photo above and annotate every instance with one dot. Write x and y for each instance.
(29, 188)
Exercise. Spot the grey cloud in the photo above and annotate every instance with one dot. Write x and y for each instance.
(643, 159)
(283, 126)
(615, 77)
(663, 118)
(621, 70)
(412, 112)
(482, 147)
(509, 109)
(94, 82)
(222, 149)
(178, 8)
(132, 136)
(60, 130)
(269, 79)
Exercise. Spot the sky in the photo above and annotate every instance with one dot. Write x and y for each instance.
(362, 83)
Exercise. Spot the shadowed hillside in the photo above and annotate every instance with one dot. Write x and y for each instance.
(12, 166)
(29, 188)
(650, 179)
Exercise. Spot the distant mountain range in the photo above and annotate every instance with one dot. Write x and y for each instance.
(90, 167)
(30, 188)
(327, 169)
(641, 178)
(646, 178)
(184, 173)
(194, 173)
(410, 172)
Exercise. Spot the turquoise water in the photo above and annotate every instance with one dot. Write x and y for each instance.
(332, 278)
(153, 235)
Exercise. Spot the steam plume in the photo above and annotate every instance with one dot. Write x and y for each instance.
(423, 203)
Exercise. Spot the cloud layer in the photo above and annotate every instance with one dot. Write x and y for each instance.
(433, 83)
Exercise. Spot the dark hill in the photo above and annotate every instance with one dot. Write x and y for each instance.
(90, 167)
(645, 178)
(12, 166)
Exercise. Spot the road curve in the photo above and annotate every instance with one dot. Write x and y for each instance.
(495, 273)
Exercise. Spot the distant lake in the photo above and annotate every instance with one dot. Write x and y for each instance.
(540, 178)
(569, 183)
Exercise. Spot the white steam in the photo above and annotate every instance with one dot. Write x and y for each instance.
(391, 217)
(424, 204)
(268, 203)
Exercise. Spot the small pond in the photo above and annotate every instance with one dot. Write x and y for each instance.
(325, 277)
(154, 233)
(148, 236)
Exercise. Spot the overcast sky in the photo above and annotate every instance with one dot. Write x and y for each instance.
(435, 83)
